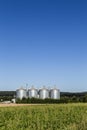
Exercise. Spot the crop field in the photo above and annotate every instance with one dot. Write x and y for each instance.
(44, 117)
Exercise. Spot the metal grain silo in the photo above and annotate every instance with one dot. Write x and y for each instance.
(32, 92)
(21, 93)
(43, 93)
(55, 93)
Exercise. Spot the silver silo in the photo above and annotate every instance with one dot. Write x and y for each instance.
(55, 93)
(32, 92)
(21, 93)
(43, 93)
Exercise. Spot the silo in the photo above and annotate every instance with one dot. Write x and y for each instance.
(43, 93)
(55, 93)
(21, 93)
(32, 92)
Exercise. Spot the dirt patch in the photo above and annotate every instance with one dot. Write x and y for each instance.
(14, 104)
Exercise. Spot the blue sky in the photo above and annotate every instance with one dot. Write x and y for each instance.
(43, 42)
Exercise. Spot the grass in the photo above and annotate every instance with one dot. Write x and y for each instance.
(44, 117)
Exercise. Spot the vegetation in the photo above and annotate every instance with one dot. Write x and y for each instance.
(7, 95)
(44, 117)
(66, 97)
(40, 101)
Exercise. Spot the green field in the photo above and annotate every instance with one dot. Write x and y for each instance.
(44, 117)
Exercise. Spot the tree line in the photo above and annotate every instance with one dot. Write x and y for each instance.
(65, 97)
(7, 95)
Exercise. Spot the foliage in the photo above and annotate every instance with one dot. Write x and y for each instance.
(7, 95)
(38, 101)
(44, 117)
(66, 97)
